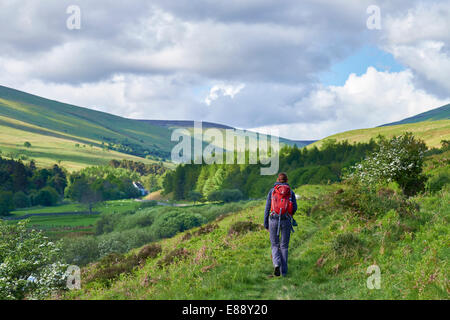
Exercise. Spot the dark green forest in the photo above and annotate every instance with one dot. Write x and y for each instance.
(25, 185)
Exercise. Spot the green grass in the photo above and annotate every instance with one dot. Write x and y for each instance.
(72, 224)
(432, 132)
(54, 129)
(80, 122)
(414, 264)
(113, 206)
(47, 149)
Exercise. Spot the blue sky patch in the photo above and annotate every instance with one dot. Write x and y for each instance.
(358, 63)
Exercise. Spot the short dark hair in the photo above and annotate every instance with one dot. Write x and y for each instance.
(282, 177)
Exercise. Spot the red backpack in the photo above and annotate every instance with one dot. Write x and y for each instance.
(281, 200)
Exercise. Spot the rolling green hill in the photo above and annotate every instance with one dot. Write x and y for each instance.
(432, 132)
(77, 137)
(49, 147)
(85, 124)
(432, 126)
(441, 113)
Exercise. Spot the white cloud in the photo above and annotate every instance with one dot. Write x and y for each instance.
(223, 90)
(365, 101)
(419, 38)
(174, 59)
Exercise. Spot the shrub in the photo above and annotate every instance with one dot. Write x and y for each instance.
(106, 223)
(149, 251)
(172, 256)
(206, 229)
(29, 263)
(242, 227)
(226, 195)
(231, 195)
(141, 219)
(124, 241)
(347, 245)
(436, 183)
(148, 204)
(369, 202)
(111, 266)
(399, 159)
(80, 251)
(169, 224)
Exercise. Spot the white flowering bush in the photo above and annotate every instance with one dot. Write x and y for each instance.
(399, 159)
(29, 266)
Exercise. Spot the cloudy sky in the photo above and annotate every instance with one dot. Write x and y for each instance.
(309, 68)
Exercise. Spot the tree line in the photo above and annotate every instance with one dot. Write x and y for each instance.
(304, 166)
(24, 185)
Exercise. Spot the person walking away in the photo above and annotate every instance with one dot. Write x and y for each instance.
(281, 205)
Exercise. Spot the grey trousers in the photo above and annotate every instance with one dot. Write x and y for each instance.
(280, 246)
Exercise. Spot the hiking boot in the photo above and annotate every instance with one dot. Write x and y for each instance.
(276, 271)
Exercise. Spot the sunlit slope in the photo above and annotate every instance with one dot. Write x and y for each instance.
(432, 132)
(49, 147)
(441, 113)
(81, 122)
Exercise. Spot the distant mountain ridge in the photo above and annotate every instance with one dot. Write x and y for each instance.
(441, 113)
(207, 125)
(184, 123)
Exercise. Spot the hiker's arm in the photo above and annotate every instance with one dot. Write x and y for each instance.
(294, 202)
(267, 210)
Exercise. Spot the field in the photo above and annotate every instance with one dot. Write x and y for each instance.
(77, 224)
(432, 132)
(48, 147)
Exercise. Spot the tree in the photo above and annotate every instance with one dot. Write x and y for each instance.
(21, 200)
(58, 180)
(27, 144)
(47, 196)
(226, 195)
(194, 196)
(231, 195)
(82, 190)
(6, 203)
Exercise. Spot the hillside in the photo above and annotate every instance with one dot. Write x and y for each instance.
(329, 256)
(441, 113)
(49, 147)
(68, 120)
(78, 137)
(432, 132)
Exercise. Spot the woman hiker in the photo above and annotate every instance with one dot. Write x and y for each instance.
(281, 205)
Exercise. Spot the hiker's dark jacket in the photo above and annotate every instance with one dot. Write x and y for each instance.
(269, 202)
